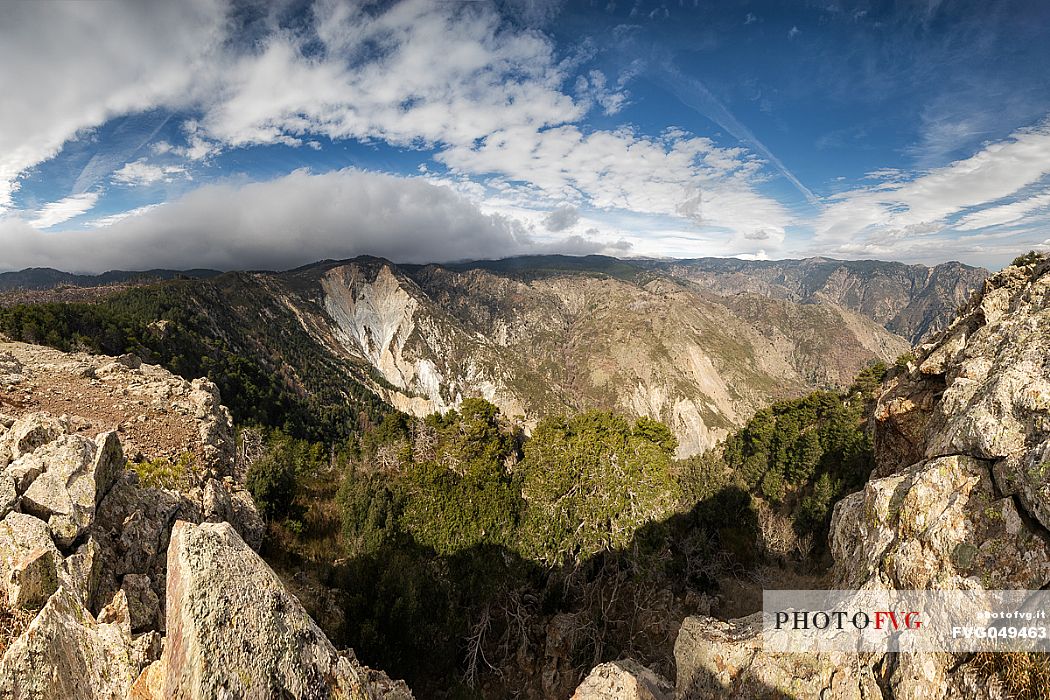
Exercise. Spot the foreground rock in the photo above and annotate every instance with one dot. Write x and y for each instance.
(66, 654)
(234, 631)
(28, 433)
(76, 474)
(85, 548)
(725, 659)
(625, 680)
(939, 524)
(28, 561)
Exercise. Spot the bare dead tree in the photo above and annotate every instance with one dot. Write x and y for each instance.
(476, 648)
(388, 457)
(776, 534)
(424, 441)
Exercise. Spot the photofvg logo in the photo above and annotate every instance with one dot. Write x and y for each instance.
(893, 620)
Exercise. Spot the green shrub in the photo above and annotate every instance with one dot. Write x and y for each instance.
(162, 472)
(1029, 258)
(591, 481)
(271, 481)
(804, 455)
(371, 510)
(869, 379)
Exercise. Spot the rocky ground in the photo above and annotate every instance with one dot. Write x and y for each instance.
(154, 413)
(112, 588)
(960, 499)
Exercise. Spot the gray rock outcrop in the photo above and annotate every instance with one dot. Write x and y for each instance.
(624, 680)
(66, 654)
(28, 561)
(234, 629)
(28, 433)
(718, 659)
(76, 474)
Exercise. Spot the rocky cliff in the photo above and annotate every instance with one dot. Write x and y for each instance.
(137, 578)
(537, 342)
(960, 499)
(912, 301)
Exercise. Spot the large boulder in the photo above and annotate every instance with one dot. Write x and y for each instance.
(78, 473)
(82, 571)
(132, 528)
(66, 654)
(726, 660)
(28, 433)
(143, 603)
(623, 680)
(215, 426)
(718, 660)
(29, 561)
(224, 501)
(981, 389)
(235, 631)
(940, 524)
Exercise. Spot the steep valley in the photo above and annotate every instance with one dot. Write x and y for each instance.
(645, 347)
(538, 336)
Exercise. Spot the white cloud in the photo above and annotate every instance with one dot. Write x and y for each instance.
(120, 216)
(58, 80)
(902, 208)
(200, 148)
(140, 172)
(1004, 213)
(594, 87)
(283, 223)
(417, 73)
(55, 213)
(676, 175)
(490, 97)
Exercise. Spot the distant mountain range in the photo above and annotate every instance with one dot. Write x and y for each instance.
(41, 278)
(909, 300)
(700, 344)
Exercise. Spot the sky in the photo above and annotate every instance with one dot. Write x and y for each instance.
(267, 135)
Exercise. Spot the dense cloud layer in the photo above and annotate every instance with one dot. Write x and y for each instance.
(478, 95)
(294, 220)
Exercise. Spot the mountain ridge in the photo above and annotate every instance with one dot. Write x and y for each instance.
(919, 309)
(542, 335)
(540, 344)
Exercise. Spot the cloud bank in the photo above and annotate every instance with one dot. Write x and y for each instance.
(293, 220)
(913, 215)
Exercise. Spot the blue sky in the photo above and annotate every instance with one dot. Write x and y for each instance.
(251, 134)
